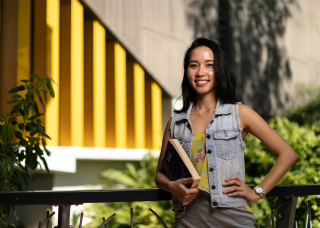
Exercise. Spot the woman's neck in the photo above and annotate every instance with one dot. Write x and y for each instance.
(205, 102)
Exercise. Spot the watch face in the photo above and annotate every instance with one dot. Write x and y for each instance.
(259, 190)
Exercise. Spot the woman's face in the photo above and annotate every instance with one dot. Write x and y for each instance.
(200, 70)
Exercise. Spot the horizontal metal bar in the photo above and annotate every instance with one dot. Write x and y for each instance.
(295, 190)
(123, 195)
(79, 197)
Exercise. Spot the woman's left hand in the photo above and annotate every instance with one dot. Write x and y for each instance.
(240, 189)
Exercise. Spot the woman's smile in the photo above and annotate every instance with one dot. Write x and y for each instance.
(200, 70)
(201, 83)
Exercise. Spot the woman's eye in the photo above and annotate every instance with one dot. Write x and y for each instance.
(193, 65)
(210, 65)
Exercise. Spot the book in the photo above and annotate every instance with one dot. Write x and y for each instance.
(177, 164)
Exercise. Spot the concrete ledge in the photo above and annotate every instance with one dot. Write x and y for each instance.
(64, 159)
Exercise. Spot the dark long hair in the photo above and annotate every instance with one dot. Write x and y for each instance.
(224, 77)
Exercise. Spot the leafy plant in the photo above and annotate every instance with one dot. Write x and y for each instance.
(305, 140)
(141, 176)
(306, 112)
(22, 139)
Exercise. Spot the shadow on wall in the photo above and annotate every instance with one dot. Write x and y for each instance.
(252, 35)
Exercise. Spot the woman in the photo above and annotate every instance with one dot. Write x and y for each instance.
(211, 126)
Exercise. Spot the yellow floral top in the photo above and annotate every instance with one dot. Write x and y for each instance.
(199, 159)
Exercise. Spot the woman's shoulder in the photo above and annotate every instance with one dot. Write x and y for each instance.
(248, 117)
(245, 109)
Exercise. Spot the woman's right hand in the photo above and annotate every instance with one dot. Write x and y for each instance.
(184, 194)
(177, 188)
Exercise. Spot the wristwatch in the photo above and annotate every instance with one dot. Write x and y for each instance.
(259, 191)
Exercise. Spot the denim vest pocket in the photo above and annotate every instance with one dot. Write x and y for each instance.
(226, 143)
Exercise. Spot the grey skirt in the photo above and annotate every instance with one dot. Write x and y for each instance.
(199, 213)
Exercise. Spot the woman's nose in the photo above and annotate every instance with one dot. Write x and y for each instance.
(201, 71)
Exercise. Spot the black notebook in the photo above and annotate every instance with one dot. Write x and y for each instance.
(177, 164)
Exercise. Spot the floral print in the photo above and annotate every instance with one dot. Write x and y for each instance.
(199, 159)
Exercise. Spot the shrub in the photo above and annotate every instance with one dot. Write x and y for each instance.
(305, 140)
(133, 177)
(22, 133)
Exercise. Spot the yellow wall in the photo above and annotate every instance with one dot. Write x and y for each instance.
(65, 78)
(53, 70)
(71, 74)
(135, 106)
(120, 96)
(76, 72)
(130, 106)
(39, 42)
(156, 116)
(110, 94)
(24, 41)
(88, 81)
(99, 85)
(153, 112)
(95, 85)
(8, 69)
(100, 99)
(116, 117)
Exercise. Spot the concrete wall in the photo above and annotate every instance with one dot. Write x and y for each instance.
(88, 173)
(273, 50)
(271, 45)
(155, 32)
(302, 42)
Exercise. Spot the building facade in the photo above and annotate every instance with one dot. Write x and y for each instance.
(117, 66)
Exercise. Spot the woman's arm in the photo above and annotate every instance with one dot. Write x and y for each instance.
(177, 188)
(252, 123)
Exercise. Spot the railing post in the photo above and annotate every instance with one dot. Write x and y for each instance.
(64, 216)
(287, 212)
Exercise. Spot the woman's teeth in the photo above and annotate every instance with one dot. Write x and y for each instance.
(201, 82)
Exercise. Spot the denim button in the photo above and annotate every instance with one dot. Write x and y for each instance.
(209, 151)
(208, 136)
(213, 187)
(211, 169)
(211, 121)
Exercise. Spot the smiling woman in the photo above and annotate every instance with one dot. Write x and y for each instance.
(212, 125)
(200, 71)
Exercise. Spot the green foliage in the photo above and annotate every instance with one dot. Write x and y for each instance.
(22, 133)
(306, 112)
(305, 140)
(133, 177)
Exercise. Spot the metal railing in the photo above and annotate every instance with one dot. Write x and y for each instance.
(287, 200)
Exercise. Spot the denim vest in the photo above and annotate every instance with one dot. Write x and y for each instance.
(224, 147)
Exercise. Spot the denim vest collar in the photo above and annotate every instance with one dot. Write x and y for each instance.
(221, 109)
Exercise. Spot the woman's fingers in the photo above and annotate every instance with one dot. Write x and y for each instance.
(184, 194)
(231, 182)
(239, 193)
(233, 189)
(239, 188)
(189, 196)
(185, 181)
(233, 178)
